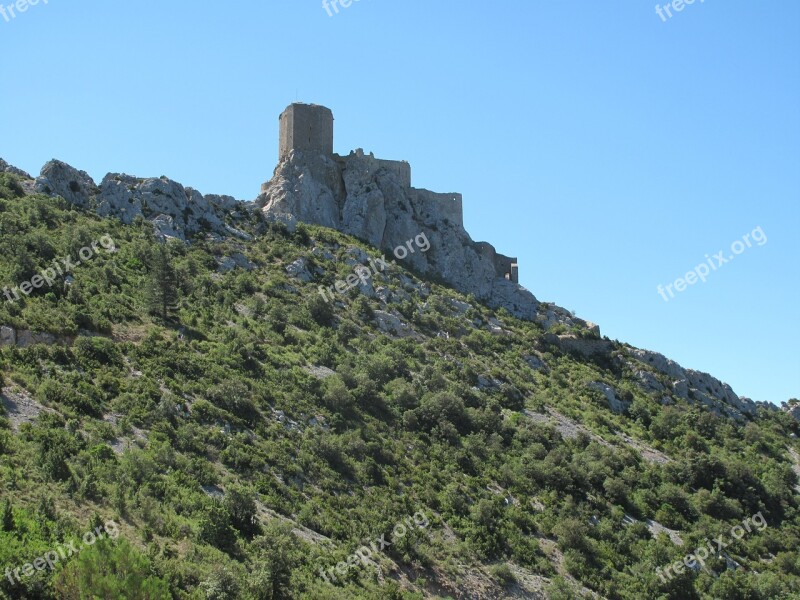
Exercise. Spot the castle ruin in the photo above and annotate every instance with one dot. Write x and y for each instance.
(308, 129)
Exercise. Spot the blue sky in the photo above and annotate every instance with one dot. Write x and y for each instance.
(609, 150)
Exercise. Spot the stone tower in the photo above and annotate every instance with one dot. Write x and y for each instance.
(306, 127)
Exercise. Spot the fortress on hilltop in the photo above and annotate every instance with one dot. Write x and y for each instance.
(308, 129)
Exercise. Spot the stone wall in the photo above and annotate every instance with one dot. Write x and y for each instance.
(505, 266)
(400, 168)
(447, 206)
(306, 127)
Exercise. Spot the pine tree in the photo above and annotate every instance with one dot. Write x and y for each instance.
(163, 285)
(8, 516)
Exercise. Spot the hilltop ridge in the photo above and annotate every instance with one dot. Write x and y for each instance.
(305, 189)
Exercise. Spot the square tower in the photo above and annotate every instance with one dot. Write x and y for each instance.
(306, 127)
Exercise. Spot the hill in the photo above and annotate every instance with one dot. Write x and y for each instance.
(206, 418)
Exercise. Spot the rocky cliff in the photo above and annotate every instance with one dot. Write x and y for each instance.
(367, 198)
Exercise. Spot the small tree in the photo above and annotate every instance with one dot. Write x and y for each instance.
(162, 291)
(241, 506)
(278, 553)
(8, 516)
(320, 310)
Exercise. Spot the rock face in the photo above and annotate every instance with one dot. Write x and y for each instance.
(792, 407)
(668, 377)
(174, 211)
(23, 338)
(7, 168)
(371, 199)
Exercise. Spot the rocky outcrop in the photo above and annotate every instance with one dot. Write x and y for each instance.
(175, 211)
(8, 336)
(59, 179)
(586, 347)
(7, 168)
(615, 403)
(792, 407)
(687, 384)
(23, 338)
(367, 198)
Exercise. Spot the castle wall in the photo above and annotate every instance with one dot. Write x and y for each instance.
(400, 168)
(306, 127)
(505, 266)
(433, 206)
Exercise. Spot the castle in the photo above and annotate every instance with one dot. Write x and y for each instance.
(308, 129)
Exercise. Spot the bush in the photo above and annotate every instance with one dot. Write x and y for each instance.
(110, 570)
(97, 351)
(320, 310)
(502, 573)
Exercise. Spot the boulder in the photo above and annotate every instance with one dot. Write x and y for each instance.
(59, 179)
(8, 337)
(615, 403)
(299, 269)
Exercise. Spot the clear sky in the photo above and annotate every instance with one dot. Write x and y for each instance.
(609, 149)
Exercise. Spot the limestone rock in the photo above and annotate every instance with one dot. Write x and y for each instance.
(696, 386)
(304, 189)
(486, 383)
(8, 337)
(60, 179)
(389, 323)
(587, 347)
(237, 259)
(371, 199)
(320, 372)
(7, 168)
(615, 403)
(174, 211)
(299, 269)
(535, 363)
(28, 338)
(769, 406)
(793, 408)
(660, 363)
(648, 381)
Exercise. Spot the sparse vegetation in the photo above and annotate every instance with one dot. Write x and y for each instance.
(245, 434)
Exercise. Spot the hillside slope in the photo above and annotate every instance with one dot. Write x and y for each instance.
(231, 431)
